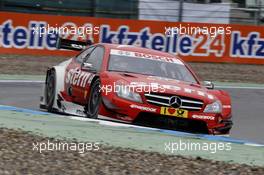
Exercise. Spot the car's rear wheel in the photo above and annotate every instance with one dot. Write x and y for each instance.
(94, 100)
(50, 89)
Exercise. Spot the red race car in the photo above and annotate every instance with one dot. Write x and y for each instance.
(135, 85)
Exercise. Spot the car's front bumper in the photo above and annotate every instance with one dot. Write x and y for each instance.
(132, 112)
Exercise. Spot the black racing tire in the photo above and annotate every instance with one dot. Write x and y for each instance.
(95, 100)
(50, 89)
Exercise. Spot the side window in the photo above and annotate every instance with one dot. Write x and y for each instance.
(96, 58)
(83, 54)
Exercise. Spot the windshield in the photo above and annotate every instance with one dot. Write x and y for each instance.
(172, 70)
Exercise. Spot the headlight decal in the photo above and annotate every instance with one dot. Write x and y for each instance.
(126, 93)
(215, 107)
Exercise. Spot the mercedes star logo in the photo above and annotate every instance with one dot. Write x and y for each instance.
(175, 102)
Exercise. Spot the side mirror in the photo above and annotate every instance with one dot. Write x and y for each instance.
(88, 67)
(208, 84)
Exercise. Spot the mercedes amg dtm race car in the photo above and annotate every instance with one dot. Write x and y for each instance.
(135, 85)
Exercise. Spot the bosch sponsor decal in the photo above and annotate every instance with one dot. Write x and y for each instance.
(77, 77)
(143, 108)
(203, 117)
(146, 56)
(243, 44)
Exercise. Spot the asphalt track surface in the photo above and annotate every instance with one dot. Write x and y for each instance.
(248, 106)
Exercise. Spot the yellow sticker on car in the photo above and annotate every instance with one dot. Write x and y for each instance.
(174, 112)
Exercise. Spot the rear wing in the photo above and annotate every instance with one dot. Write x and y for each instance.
(72, 44)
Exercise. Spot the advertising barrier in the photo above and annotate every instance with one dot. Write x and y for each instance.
(36, 34)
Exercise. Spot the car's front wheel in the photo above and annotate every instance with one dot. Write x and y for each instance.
(50, 89)
(94, 100)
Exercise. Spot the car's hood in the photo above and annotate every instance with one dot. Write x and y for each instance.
(167, 86)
